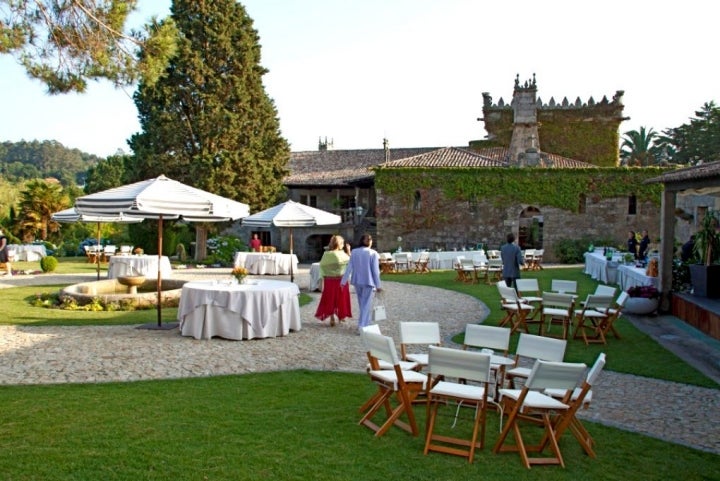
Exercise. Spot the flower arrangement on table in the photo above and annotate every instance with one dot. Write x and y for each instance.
(239, 273)
(138, 251)
(647, 292)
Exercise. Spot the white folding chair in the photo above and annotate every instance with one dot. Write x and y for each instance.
(516, 311)
(529, 291)
(530, 404)
(491, 340)
(580, 397)
(556, 309)
(463, 366)
(418, 333)
(404, 385)
(592, 321)
(535, 347)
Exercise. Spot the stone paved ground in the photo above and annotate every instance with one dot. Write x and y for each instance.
(675, 412)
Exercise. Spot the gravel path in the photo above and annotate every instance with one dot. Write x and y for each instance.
(674, 412)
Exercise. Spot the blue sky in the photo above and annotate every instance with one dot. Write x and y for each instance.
(413, 71)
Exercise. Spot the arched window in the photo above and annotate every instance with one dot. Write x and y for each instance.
(417, 200)
(582, 204)
(632, 205)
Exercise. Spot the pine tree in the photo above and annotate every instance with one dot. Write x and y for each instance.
(208, 121)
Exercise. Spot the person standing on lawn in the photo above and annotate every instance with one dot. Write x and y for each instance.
(363, 272)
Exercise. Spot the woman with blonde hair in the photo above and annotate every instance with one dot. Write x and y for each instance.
(335, 299)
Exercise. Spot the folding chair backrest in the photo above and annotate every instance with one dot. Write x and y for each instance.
(479, 260)
(555, 375)
(495, 263)
(419, 333)
(508, 294)
(601, 303)
(622, 299)
(596, 369)
(527, 285)
(386, 256)
(374, 328)
(471, 365)
(381, 347)
(564, 286)
(555, 299)
(491, 337)
(538, 347)
(493, 254)
(602, 290)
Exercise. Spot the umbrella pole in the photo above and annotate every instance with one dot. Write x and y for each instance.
(159, 272)
(292, 278)
(98, 253)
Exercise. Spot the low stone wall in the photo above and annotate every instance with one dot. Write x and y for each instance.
(110, 290)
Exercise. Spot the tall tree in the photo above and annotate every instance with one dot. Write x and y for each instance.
(106, 174)
(696, 141)
(38, 202)
(638, 148)
(65, 43)
(208, 121)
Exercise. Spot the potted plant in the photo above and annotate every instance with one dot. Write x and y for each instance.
(705, 275)
(642, 300)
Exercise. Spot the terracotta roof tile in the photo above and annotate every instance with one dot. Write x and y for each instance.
(444, 158)
(703, 171)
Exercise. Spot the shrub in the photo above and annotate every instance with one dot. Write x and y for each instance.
(570, 251)
(224, 249)
(48, 264)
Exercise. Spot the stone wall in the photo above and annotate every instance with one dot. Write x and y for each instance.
(489, 224)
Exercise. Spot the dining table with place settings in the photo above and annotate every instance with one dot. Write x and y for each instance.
(270, 263)
(139, 265)
(253, 309)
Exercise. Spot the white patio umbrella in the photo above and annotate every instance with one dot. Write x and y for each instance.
(161, 198)
(291, 214)
(71, 215)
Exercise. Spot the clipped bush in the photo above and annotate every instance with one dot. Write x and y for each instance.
(48, 264)
(570, 251)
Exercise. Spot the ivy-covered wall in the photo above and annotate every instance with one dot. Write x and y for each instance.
(452, 208)
(589, 133)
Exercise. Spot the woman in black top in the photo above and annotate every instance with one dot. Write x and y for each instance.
(632, 244)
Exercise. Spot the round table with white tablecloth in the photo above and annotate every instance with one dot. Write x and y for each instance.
(144, 265)
(26, 252)
(271, 263)
(255, 309)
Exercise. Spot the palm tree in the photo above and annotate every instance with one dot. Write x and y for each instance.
(638, 148)
(38, 202)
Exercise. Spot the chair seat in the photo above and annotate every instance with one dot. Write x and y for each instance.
(553, 311)
(534, 399)
(593, 313)
(418, 358)
(518, 372)
(514, 307)
(465, 391)
(408, 376)
(404, 365)
(560, 393)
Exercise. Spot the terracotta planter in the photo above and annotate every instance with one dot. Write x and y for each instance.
(640, 305)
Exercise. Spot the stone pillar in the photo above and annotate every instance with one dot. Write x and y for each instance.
(667, 246)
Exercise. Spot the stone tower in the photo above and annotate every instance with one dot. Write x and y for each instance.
(525, 139)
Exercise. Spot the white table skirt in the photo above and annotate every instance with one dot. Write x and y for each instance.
(316, 281)
(257, 309)
(145, 265)
(272, 263)
(596, 266)
(27, 252)
(444, 259)
(631, 276)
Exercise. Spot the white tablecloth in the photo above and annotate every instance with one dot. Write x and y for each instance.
(630, 276)
(316, 282)
(596, 266)
(27, 252)
(257, 309)
(444, 259)
(145, 265)
(272, 263)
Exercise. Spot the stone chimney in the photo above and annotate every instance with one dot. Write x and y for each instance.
(525, 138)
